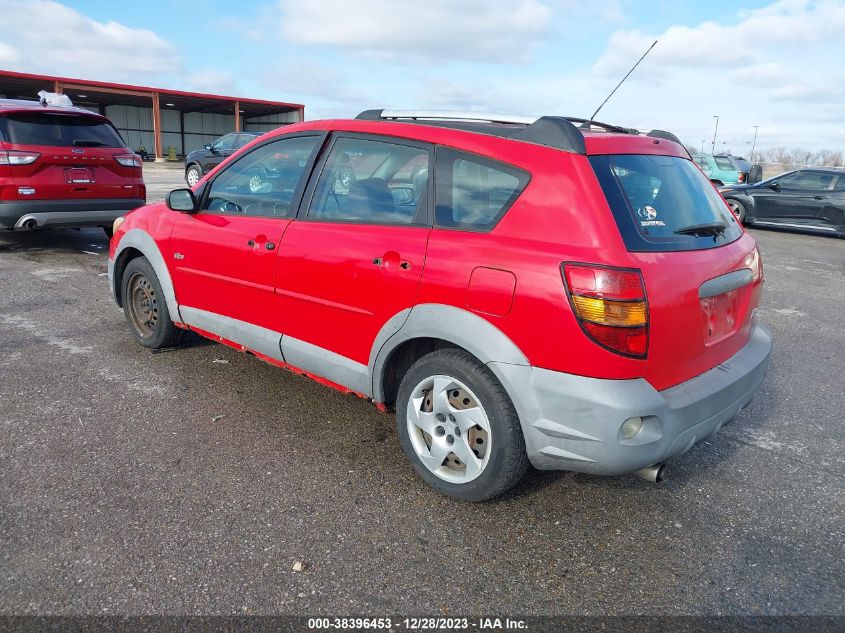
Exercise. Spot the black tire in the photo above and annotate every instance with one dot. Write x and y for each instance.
(151, 325)
(737, 207)
(507, 461)
(109, 231)
(191, 171)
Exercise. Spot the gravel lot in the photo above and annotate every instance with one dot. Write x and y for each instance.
(135, 483)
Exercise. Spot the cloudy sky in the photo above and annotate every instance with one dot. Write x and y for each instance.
(778, 65)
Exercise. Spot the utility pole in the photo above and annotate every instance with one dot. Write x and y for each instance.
(753, 143)
(702, 146)
(716, 131)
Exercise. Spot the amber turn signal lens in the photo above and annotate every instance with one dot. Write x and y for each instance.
(605, 312)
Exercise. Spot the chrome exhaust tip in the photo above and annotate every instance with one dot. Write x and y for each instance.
(27, 223)
(653, 474)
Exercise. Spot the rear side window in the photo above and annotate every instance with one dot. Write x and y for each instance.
(58, 130)
(723, 162)
(372, 182)
(472, 192)
(663, 203)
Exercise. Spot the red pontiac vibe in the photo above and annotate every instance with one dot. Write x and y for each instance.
(552, 291)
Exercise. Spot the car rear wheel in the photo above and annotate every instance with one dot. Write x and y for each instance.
(193, 175)
(459, 428)
(145, 307)
(738, 208)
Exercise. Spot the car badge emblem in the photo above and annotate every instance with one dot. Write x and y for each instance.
(76, 150)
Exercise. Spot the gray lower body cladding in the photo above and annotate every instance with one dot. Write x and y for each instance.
(574, 423)
(55, 213)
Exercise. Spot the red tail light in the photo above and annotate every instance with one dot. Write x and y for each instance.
(610, 305)
(12, 157)
(128, 160)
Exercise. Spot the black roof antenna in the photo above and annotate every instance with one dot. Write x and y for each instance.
(623, 80)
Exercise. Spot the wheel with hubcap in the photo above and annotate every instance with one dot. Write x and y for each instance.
(738, 208)
(193, 175)
(459, 428)
(145, 307)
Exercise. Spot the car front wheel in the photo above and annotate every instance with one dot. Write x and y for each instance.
(145, 307)
(193, 175)
(459, 428)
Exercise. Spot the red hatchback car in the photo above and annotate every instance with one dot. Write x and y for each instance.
(64, 167)
(550, 291)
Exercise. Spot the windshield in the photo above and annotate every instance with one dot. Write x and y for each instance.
(58, 130)
(664, 203)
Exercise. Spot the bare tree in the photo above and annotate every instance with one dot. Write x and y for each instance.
(778, 155)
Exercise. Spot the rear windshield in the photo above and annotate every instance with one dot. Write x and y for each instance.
(58, 130)
(742, 164)
(664, 203)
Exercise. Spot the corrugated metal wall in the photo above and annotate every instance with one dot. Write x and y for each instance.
(134, 124)
(201, 128)
(270, 122)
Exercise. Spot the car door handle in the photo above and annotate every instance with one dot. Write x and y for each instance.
(819, 197)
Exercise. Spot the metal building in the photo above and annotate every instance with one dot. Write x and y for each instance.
(163, 122)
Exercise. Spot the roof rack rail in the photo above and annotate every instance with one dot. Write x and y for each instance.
(551, 131)
(586, 124)
(447, 115)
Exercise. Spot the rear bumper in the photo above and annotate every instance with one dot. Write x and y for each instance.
(574, 423)
(55, 213)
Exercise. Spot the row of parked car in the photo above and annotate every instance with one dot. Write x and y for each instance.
(492, 278)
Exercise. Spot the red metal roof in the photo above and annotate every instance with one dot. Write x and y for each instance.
(161, 91)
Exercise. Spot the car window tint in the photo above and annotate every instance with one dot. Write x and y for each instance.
(372, 182)
(225, 143)
(243, 139)
(806, 180)
(723, 162)
(264, 181)
(58, 130)
(472, 192)
(840, 184)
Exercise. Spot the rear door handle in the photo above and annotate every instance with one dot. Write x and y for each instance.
(819, 197)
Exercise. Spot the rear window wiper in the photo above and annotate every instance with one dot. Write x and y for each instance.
(711, 229)
(83, 143)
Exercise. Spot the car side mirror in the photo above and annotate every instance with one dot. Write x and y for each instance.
(182, 200)
(774, 186)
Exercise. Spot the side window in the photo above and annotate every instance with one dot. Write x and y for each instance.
(806, 180)
(224, 143)
(725, 163)
(264, 181)
(242, 139)
(372, 182)
(473, 192)
(840, 184)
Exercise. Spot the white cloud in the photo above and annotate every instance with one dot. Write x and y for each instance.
(8, 54)
(212, 81)
(53, 38)
(477, 30)
(776, 67)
